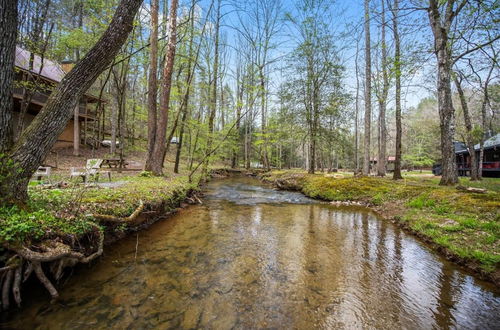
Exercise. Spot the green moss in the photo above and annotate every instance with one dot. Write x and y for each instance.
(63, 212)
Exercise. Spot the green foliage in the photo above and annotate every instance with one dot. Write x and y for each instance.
(18, 226)
(62, 212)
(146, 174)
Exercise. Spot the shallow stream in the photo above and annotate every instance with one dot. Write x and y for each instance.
(254, 257)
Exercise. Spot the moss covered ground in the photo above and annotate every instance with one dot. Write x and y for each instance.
(465, 225)
(67, 212)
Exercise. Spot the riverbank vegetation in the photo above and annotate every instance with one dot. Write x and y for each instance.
(70, 225)
(464, 225)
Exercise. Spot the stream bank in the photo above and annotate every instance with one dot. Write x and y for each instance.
(253, 257)
(463, 227)
(66, 226)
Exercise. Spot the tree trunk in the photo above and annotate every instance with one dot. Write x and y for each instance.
(368, 94)
(37, 140)
(442, 50)
(382, 157)
(213, 98)
(161, 130)
(468, 128)
(185, 102)
(152, 83)
(239, 104)
(356, 114)
(263, 115)
(397, 68)
(8, 38)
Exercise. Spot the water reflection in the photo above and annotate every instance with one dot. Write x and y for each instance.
(238, 263)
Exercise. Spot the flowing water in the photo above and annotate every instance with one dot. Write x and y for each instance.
(253, 257)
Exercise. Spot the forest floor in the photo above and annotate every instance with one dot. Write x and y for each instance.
(463, 226)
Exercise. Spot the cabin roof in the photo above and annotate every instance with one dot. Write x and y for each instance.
(50, 70)
(460, 147)
(492, 142)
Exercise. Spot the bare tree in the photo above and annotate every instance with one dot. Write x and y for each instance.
(159, 149)
(397, 78)
(368, 94)
(152, 83)
(213, 89)
(382, 100)
(458, 78)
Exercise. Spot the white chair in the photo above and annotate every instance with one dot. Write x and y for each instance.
(42, 171)
(92, 169)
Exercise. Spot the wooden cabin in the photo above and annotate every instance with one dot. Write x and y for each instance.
(40, 80)
(491, 161)
(389, 163)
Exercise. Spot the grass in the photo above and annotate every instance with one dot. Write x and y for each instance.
(67, 212)
(467, 224)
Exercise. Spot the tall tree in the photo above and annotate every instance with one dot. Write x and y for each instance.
(382, 100)
(368, 93)
(469, 139)
(37, 140)
(397, 78)
(213, 90)
(441, 21)
(152, 83)
(8, 37)
(160, 146)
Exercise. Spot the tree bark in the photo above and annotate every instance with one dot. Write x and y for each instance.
(468, 128)
(152, 83)
(356, 114)
(8, 37)
(440, 29)
(37, 140)
(213, 98)
(397, 68)
(239, 104)
(161, 131)
(382, 157)
(368, 93)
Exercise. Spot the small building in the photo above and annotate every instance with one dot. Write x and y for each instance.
(389, 163)
(40, 80)
(491, 161)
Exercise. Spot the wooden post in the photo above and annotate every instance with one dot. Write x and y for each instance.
(76, 131)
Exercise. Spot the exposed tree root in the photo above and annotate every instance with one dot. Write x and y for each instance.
(37, 266)
(5, 289)
(58, 254)
(16, 287)
(112, 218)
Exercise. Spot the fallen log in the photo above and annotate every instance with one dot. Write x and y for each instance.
(472, 190)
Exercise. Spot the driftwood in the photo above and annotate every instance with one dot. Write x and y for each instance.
(472, 190)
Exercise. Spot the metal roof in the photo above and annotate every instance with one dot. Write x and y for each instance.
(50, 69)
(493, 141)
